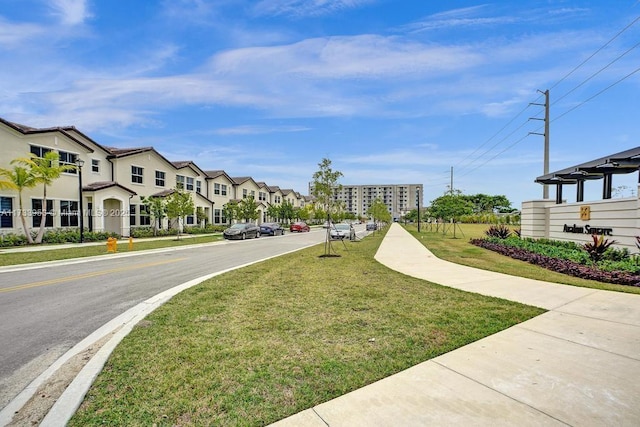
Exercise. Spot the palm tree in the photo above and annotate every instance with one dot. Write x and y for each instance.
(18, 179)
(45, 170)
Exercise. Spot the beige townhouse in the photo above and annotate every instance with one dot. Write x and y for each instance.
(110, 182)
(245, 186)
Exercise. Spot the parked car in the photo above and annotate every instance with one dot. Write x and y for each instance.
(299, 227)
(372, 226)
(327, 224)
(242, 230)
(271, 229)
(342, 231)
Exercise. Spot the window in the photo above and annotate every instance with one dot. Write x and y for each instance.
(198, 186)
(6, 212)
(244, 193)
(189, 184)
(36, 206)
(217, 216)
(179, 182)
(160, 179)
(223, 189)
(253, 194)
(68, 213)
(278, 200)
(216, 188)
(39, 151)
(68, 159)
(262, 196)
(136, 174)
(191, 219)
(132, 215)
(145, 218)
(95, 165)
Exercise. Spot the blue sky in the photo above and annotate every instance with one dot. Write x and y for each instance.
(391, 91)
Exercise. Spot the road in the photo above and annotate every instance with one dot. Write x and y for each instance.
(46, 310)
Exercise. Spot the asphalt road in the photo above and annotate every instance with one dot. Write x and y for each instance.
(45, 311)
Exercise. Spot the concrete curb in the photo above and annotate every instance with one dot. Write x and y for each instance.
(67, 404)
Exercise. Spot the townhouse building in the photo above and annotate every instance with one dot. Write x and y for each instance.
(109, 184)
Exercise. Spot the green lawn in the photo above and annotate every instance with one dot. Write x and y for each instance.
(264, 342)
(460, 251)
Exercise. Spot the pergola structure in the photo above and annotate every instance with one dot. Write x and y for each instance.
(604, 168)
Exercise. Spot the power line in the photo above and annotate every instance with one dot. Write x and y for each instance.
(596, 52)
(598, 72)
(597, 94)
(563, 96)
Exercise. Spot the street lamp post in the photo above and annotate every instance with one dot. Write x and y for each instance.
(79, 164)
(418, 206)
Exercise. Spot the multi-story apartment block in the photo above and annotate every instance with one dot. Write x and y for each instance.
(399, 198)
(110, 183)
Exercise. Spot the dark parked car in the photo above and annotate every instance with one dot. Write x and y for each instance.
(242, 230)
(372, 226)
(271, 229)
(299, 227)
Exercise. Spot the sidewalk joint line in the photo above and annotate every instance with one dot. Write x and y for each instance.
(499, 392)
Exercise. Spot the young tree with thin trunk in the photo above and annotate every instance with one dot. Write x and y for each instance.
(323, 187)
(179, 205)
(248, 209)
(157, 207)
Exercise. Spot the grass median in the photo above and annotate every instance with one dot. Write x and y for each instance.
(258, 344)
(51, 253)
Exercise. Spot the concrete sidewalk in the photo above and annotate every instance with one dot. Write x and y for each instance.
(578, 364)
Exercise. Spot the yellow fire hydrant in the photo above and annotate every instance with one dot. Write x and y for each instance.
(112, 244)
(130, 243)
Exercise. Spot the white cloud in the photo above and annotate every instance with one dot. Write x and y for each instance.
(260, 130)
(301, 8)
(70, 12)
(14, 35)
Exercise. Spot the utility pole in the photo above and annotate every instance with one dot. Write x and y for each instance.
(545, 187)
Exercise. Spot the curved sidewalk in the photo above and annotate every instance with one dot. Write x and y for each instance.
(578, 364)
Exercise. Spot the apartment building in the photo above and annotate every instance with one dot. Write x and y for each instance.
(110, 183)
(399, 198)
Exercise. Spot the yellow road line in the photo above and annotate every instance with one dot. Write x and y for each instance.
(86, 275)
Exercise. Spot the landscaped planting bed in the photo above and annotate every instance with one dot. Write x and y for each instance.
(595, 260)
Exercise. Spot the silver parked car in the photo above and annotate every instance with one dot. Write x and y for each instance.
(342, 231)
(241, 231)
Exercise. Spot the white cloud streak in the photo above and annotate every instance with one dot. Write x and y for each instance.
(302, 8)
(70, 12)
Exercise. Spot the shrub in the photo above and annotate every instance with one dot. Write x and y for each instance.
(500, 231)
(11, 239)
(148, 232)
(598, 247)
(615, 254)
(205, 230)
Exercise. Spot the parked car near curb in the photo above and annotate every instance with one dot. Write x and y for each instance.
(372, 226)
(342, 231)
(241, 231)
(299, 227)
(271, 229)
